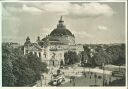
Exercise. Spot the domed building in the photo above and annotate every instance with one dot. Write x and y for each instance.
(60, 35)
(52, 48)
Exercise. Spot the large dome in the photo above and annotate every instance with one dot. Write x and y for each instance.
(61, 30)
(61, 35)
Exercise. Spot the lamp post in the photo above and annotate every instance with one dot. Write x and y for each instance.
(73, 78)
(86, 61)
(95, 76)
(103, 72)
(42, 77)
(45, 80)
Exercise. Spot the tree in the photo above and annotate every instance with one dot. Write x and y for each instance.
(8, 78)
(85, 58)
(117, 54)
(71, 57)
(101, 57)
(19, 69)
(35, 64)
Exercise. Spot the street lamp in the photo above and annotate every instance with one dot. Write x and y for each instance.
(86, 61)
(45, 80)
(42, 77)
(73, 78)
(103, 72)
(95, 78)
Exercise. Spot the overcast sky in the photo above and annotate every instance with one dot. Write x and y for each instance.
(89, 22)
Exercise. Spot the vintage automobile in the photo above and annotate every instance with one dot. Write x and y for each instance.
(57, 79)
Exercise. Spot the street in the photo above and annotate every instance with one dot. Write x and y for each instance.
(80, 80)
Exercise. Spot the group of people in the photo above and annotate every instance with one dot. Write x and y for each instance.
(72, 80)
(91, 75)
(106, 81)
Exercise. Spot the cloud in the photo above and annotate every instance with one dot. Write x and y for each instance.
(78, 10)
(92, 9)
(57, 7)
(82, 34)
(16, 9)
(30, 9)
(104, 28)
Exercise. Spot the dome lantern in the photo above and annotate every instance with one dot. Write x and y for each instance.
(61, 24)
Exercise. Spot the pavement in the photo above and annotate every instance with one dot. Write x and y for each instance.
(76, 71)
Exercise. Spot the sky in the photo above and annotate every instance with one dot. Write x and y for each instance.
(94, 22)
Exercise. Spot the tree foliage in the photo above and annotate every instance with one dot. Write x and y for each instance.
(8, 78)
(19, 69)
(71, 57)
(117, 54)
(107, 54)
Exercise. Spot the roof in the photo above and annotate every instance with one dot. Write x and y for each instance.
(61, 29)
(61, 32)
(33, 47)
(49, 38)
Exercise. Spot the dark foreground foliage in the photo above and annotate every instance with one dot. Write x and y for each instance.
(19, 69)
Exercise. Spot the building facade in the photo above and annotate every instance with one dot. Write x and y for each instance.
(52, 48)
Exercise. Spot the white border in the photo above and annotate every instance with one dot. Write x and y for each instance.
(125, 87)
(126, 44)
(1, 44)
(67, 1)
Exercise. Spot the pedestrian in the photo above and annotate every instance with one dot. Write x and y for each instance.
(91, 73)
(85, 75)
(71, 79)
(99, 77)
(110, 82)
(74, 81)
(95, 75)
(90, 77)
(42, 76)
(110, 79)
(105, 83)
